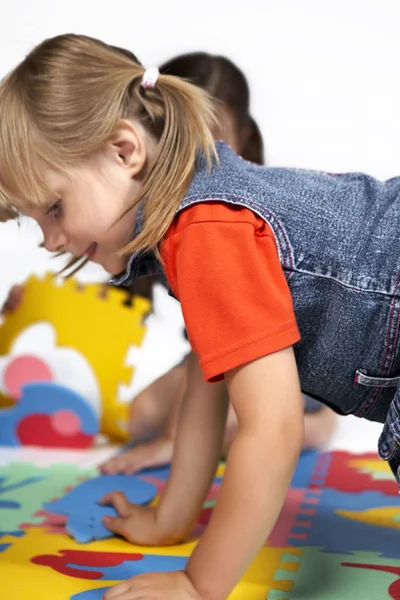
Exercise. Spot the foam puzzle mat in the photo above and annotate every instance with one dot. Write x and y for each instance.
(337, 536)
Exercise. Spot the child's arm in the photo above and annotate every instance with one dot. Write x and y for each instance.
(267, 399)
(197, 451)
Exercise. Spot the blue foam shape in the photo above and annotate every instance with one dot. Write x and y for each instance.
(84, 514)
(10, 504)
(97, 594)
(87, 528)
(150, 563)
(87, 494)
(341, 535)
(45, 398)
(19, 484)
(18, 533)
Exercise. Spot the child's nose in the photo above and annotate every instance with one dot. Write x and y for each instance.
(55, 242)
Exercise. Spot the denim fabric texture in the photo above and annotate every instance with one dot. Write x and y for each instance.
(338, 241)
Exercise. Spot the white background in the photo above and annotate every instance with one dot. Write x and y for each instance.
(324, 78)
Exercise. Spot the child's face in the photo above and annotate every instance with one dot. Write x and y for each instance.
(81, 216)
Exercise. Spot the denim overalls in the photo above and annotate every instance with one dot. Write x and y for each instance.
(338, 242)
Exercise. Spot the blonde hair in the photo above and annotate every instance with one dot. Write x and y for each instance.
(63, 102)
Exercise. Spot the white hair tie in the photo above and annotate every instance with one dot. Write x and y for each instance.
(149, 78)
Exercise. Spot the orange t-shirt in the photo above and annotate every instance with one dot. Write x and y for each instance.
(221, 262)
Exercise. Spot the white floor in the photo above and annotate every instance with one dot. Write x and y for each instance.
(164, 346)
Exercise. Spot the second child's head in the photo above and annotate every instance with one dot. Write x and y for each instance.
(227, 84)
(85, 137)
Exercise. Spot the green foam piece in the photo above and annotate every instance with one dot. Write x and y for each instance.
(321, 576)
(55, 480)
(275, 595)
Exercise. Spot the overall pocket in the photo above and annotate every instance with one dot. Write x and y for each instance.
(380, 382)
(382, 391)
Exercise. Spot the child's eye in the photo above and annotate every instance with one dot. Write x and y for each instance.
(55, 210)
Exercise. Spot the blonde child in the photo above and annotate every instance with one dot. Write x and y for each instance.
(154, 412)
(118, 164)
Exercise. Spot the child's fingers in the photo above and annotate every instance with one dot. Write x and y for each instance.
(111, 467)
(117, 592)
(119, 501)
(115, 524)
(13, 300)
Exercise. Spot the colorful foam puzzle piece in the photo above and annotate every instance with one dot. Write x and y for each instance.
(323, 576)
(343, 523)
(57, 574)
(28, 486)
(394, 588)
(97, 566)
(75, 311)
(82, 508)
(48, 414)
(368, 473)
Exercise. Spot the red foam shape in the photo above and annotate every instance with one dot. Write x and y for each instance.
(22, 370)
(394, 588)
(52, 523)
(345, 478)
(37, 430)
(83, 558)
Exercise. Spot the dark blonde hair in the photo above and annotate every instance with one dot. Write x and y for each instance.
(62, 104)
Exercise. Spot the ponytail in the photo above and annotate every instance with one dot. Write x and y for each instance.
(181, 115)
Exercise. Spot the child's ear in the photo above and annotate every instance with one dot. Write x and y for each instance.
(128, 146)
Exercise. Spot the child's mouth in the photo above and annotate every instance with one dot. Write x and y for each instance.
(91, 251)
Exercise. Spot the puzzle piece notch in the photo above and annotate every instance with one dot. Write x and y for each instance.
(8, 534)
(306, 467)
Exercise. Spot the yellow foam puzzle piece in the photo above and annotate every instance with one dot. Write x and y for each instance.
(98, 325)
(25, 580)
(380, 517)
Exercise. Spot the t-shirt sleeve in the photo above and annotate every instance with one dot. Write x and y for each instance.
(235, 299)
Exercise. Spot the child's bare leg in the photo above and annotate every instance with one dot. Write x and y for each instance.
(153, 420)
(319, 427)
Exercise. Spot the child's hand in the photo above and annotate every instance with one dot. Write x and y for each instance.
(144, 456)
(137, 524)
(154, 586)
(14, 299)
